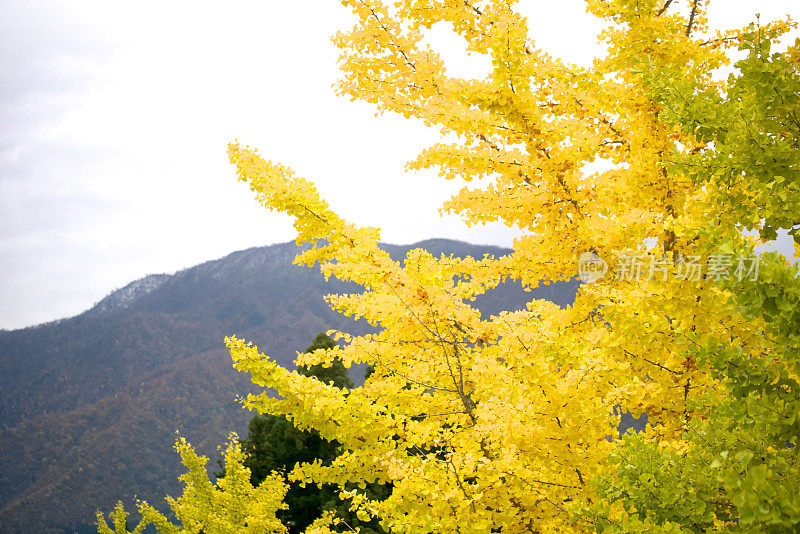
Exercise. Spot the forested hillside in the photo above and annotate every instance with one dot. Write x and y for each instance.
(89, 405)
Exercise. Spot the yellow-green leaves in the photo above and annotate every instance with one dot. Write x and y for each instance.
(231, 505)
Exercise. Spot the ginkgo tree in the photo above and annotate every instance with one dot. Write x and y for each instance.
(653, 161)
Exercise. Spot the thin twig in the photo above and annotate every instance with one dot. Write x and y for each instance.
(473, 8)
(651, 362)
(401, 375)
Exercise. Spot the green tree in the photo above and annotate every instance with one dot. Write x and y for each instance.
(273, 443)
(336, 373)
(741, 466)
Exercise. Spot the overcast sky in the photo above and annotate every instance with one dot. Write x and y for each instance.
(115, 117)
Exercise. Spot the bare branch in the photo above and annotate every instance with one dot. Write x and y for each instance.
(473, 8)
(721, 40)
(651, 362)
(691, 17)
(531, 482)
(443, 414)
(663, 9)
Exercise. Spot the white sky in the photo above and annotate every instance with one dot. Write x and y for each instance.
(115, 117)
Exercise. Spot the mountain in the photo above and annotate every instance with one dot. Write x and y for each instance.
(89, 405)
(121, 298)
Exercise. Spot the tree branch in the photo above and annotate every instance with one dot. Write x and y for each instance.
(663, 9)
(401, 375)
(691, 17)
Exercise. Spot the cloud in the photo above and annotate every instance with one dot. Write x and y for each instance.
(47, 57)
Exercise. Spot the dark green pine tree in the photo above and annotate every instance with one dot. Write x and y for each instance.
(274, 444)
(336, 374)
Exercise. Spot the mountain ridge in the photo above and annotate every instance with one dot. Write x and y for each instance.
(89, 405)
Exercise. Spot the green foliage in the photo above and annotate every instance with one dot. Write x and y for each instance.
(740, 471)
(749, 136)
(334, 374)
(273, 443)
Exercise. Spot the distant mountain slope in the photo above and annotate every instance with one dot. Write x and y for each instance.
(89, 405)
(122, 298)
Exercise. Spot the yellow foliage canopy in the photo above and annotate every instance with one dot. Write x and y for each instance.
(506, 423)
